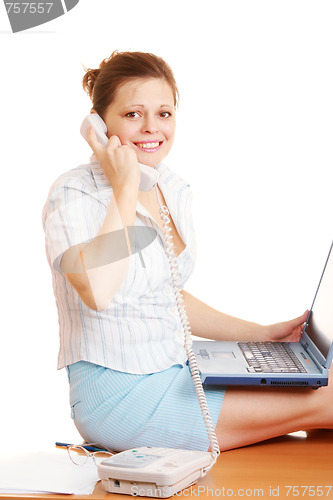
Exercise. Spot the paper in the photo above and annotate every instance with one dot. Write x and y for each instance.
(47, 472)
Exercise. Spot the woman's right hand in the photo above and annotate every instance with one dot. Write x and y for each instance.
(119, 162)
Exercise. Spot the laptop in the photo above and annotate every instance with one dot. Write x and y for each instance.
(288, 364)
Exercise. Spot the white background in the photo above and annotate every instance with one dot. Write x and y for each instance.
(254, 141)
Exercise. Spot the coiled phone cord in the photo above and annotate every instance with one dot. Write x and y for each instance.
(195, 372)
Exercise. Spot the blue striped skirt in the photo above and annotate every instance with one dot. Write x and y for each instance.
(125, 410)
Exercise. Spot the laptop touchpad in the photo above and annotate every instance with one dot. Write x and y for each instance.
(223, 354)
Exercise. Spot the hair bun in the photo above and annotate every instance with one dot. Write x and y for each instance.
(91, 75)
(89, 80)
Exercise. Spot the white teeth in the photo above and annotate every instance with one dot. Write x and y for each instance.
(148, 145)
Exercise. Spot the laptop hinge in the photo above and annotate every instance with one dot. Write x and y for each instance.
(305, 346)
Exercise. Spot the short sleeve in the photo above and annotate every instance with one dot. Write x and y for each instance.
(73, 214)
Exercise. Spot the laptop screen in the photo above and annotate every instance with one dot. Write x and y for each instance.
(320, 323)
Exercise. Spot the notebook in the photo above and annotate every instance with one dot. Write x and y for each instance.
(288, 364)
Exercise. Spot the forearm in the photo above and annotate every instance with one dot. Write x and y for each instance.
(209, 323)
(97, 269)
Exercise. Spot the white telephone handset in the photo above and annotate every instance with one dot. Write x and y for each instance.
(149, 176)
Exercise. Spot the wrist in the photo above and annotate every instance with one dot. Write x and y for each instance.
(258, 333)
(266, 332)
(127, 190)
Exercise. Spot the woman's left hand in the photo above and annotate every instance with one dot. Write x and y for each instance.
(288, 331)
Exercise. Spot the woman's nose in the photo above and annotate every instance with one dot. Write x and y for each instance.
(149, 125)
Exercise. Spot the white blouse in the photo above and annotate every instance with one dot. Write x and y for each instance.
(140, 331)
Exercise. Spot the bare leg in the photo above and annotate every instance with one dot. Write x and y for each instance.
(251, 415)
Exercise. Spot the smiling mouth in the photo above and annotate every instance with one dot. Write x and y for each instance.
(149, 147)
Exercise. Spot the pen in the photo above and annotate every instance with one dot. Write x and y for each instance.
(87, 447)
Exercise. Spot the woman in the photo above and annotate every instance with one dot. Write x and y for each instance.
(121, 335)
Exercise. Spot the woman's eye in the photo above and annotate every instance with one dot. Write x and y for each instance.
(165, 114)
(132, 114)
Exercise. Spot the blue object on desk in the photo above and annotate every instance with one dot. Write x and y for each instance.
(87, 447)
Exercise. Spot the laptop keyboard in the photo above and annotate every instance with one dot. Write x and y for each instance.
(270, 357)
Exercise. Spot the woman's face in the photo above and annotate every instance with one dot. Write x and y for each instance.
(142, 115)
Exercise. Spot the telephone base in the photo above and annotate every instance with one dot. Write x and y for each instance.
(153, 472)
(141, 489)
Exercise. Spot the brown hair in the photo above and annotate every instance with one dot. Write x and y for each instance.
(102, 84)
